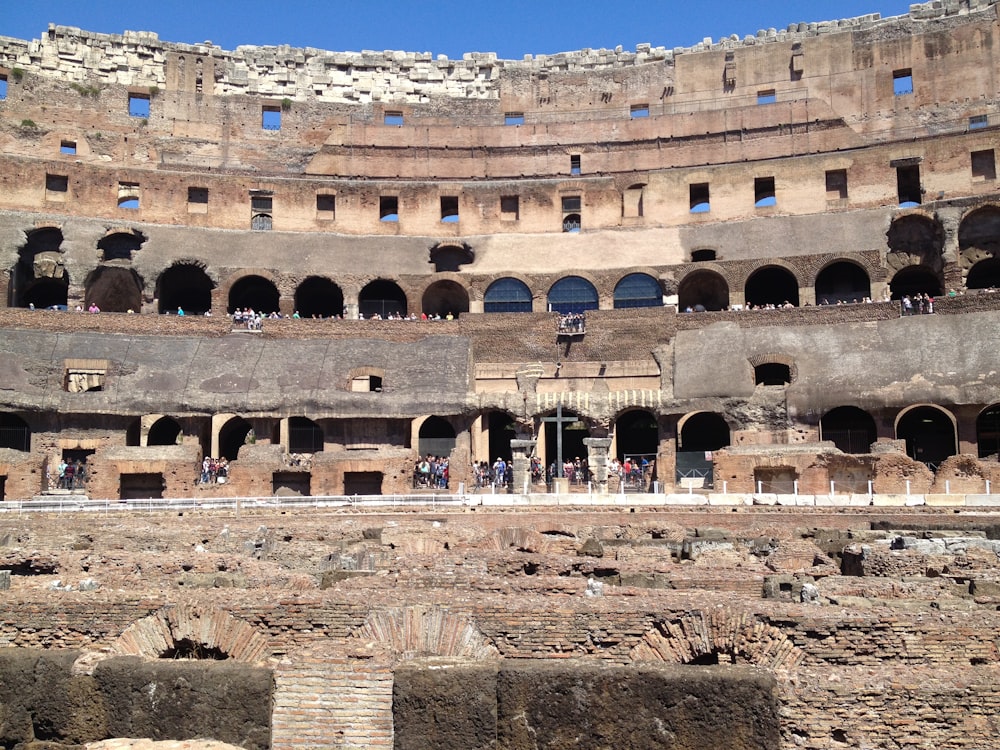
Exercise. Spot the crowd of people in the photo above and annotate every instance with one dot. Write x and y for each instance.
(918, 304)
(633, 473)
(71, 475)
(431, 472)
(573, 323)
(214, 470)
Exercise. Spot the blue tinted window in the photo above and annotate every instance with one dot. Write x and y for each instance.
(393, 118)
(507, 295)
(638, 290)
(513, 118)
(3, 87)
(572, 294)
(138, 105)
(271, 118)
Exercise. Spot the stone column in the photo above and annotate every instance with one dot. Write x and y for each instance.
(597, 460)
(521, 452)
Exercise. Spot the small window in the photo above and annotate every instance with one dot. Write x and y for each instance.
(908, 185)
(270, 118)
(3, 85)
(763, 192)
(393, 118)
(197, 202)
(977, 122)
(570, 203)
(632, 200)
(84, 375)
(513, 118)
(510, 208)
(449, 209)
(902, 82)
(836, 185)
(700, 256)
(56, 187)
(138, 105)
(772, 373)
(67, 147)
(699, 198)
(388, 208)
(574, 164)
(261, 211)
(984, 166)
(128, 195)
(261, 203)
(366, 384)
(767, 97)
(638, 110)
(326, 207)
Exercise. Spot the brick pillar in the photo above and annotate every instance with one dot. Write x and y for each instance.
(597, 460)
(666, 454)
(521, 451)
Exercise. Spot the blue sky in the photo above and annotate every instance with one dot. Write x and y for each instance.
(511, 28)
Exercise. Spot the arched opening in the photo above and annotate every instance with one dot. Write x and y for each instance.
(184, 286)
(637, 434)
(572, 294)
(318, 297)
(772, 374)
(638, 290)
(443, 298)
(501, 428)
(39, 277)
(14, 433)
(700, 435)
(984, 275)
(255, 292)
(382, 298)
(842, 281)
(573, 430)
(703, 290)
(849, 428)
(571, 223)
(436, 437)
(929, 434)
(133, 434)
(234, 435)
(507, 295)
(772, 286)
(451, 257)
(914, 280)
(304, 436)
(120, 245)
(114, 289)
(164, 431)
(988, 432)
(915, 240)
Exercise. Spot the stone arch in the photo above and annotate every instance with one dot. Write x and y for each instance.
(704, 288)
(508, 294)
(411, 632)
(366, 379)
(573, 293)
(450, 256)
(318, 296)
(771, 359)
(979, 236)
(114, 289)
(988, 431)
(164, 431)
(187, 628)
(916, 280)
(772, 284)
(637, 433)
(915, 239)
(638, 289)
(700, 637)
(383, 297)
(703, 431)
(443, 297)
(255, 291)
(120, 244)
(842, 280)
(15, 433)
(849, 428)
(518, 538)
(435, 435)
(39, 277)
(185, 285)
(930, 432)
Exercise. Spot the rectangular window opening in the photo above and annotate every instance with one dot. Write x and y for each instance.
(984, 166)
(449, 208)
(270, 117)
(763, 192)
(574, 164)
(767, 97)
(902, 82)
(699, 198)
(128, 195)
(388, 208)
(138, 105)
(392, 118)
(56, 187)
(572, 221)
(3, 85)
(197, 200)
(261, 211)
(67, 147)
(639, 110)
(976, 122)
(908, 185)
(513, 118)
(326, 207)
(510, 208)
(836, 185)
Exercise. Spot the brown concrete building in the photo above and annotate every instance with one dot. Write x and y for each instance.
(740, 221)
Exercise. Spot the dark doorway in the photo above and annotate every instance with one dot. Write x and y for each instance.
(842, 282)
(929, 435)
(362, 482)
(701, 434)
(984, 275)
(849, 428)
(772, 285)
(772, 373)
(185, 286)
(164, 431)
(988, 432)
(46, 294)
(318, 297)
(140, 486)
(383, 298)
(445, 297)
(573, 433)
(291, 483)
(255, 292)
(436, 437)
(637, 434)
(233, 436)
(39, 278)
(304, 436)
(14, 433)
(501, 431)
(114, 289)
(915, 280)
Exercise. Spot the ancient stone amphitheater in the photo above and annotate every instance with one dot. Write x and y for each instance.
(759, 269)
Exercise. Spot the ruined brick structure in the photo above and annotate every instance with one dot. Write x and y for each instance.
(739, 221)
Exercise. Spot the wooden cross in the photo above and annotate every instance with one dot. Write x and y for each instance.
(559, 420)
